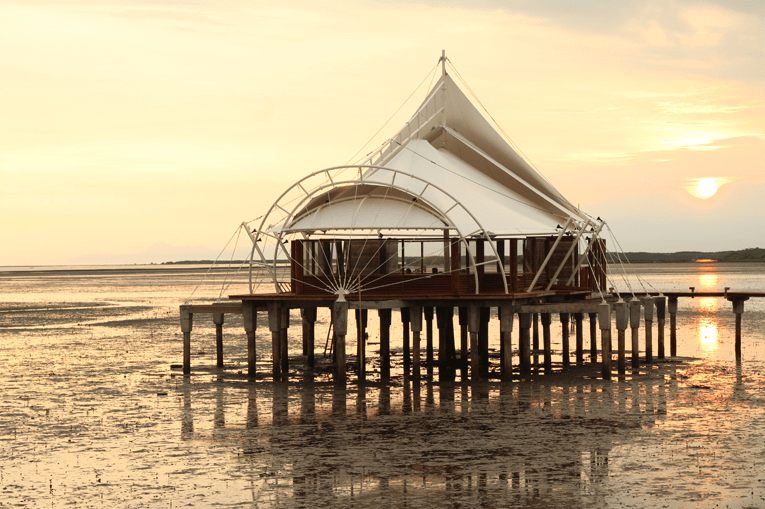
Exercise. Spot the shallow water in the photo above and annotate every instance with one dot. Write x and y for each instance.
(91, 414)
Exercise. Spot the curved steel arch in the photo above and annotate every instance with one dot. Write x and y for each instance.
(307, 195)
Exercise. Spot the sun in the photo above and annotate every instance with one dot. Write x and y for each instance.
(707, 187)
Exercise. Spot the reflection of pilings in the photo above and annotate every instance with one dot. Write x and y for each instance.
(219, 419)
(252, 407)
(187, 419)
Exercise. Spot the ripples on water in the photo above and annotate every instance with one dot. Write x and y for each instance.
(91, 413)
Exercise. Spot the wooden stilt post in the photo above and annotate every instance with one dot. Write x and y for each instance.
(621, 312)
(506, 333)
(187, 319)
(672, 307)
(565, 319)
(249, 317)
(274, 325)
(635, 326)
(604, 317)
(738, 308)
(218, 321)
(578, 319)
(309, 340)
(535, 334)
(547, 343)
(483, 341)
(464, 346)
(428, 312)
(593, 337)
(648, 316)
(407, 355)
(524, 320)
(285, 357)
(361, 351)
(661, 315)
(385, 319)
(415, 319)
(340, 325)
(474, 326)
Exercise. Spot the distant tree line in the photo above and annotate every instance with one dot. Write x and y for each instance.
(752, 254)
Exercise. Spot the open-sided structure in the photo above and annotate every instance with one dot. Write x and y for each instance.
(444, 207)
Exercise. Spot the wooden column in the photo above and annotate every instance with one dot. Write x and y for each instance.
(274, 325)
(415, 319)
(428, 315)
(361, 350)
(621, 312)
(464, 347)
(635, 325)
(578, 319)
(249, 317)
(340, 325)
(648, 316)
(407, 354)
(483, 341)
(385, 320)
(738, 308)
(218, 321)
(283, 343)
(565, 319)
(187, 319)
(604, 317)
(309, 336)
(672, 307)
(661, 315)
(524, 320)
(474, 326)
(593, 336)
(506, 333)
(547, 343)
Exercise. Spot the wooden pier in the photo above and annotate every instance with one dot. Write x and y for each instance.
(473, 317)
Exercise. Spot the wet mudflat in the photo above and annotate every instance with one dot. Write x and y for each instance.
(91, 414)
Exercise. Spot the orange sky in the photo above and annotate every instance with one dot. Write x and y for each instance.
(126, 124)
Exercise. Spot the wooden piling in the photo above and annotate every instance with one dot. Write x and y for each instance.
(593, 336)
(661, 314)
(672, 307)
(546, 341)
(648, 318)
(385, 321)
(621, 313)
(361, 351)
(483, 341)
(604, 317)
(218, 321)
(283, 341)
(506, 334)
(635, 326)
(524, 320)
(578, 319)
(415, 319)
(309, 339)
(187, 319)
(427, 312)
(474, 327)
(340, 325)
(738, 309)
(274, 325)
(464, 346)
(407, 353)
(565, 319)
(249, 317)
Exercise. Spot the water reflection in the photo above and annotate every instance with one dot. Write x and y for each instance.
(543, 443)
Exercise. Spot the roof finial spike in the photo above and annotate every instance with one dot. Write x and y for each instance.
(443, 62)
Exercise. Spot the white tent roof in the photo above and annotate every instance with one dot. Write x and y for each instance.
(450, 145)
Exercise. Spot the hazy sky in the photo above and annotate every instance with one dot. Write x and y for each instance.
(125, 124)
